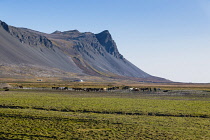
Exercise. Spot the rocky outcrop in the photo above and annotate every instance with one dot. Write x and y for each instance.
(4, 26)
(105, 39)
(30, 38)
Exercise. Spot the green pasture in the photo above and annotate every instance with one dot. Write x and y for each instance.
(29, 114)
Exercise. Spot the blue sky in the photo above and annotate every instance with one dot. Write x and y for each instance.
(165, 38)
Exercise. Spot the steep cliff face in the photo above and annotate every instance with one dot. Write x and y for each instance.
(4, 26)
(105, 39)
(84, 53)
(30, 38)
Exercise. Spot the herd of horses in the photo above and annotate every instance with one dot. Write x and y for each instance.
(127, 88)
(85, 89)
(107, 89)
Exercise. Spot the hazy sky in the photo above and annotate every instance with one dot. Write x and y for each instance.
(165, 38)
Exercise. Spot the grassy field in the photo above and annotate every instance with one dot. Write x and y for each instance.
(54, 82)
(28, 114)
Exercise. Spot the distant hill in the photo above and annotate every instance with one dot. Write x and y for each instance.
(70, 51)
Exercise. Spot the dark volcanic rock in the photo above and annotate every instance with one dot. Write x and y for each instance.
(106, 40)
(30, 38)
(4, 25)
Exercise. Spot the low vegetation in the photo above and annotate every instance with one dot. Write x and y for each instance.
(28, 114)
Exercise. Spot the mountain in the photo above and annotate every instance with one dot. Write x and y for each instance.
(70, 51)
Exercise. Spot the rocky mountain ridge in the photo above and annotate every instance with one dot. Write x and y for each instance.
(71, 51)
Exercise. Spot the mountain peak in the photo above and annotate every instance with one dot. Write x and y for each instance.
(4, 25)
(56, 32)
(71, 31)
(105, 34)
(105, 39)
(66, 32)
(105, 31)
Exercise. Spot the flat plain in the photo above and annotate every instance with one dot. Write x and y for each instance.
(51, 114)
